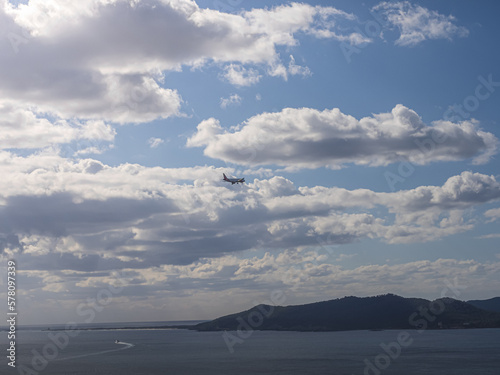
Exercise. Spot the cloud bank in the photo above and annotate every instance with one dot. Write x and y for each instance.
(182, 232)
(309, 138)
(136, 216)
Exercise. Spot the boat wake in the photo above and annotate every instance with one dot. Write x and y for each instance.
(126, 345)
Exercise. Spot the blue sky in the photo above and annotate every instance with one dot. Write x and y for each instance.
(367, 133)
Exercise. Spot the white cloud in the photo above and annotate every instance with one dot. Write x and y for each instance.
(492, 235)
(457, 192)
(206, 130)
(283, 21)
(308, 138)
(234, 99)
(417, 23)
(23, 129)
(240, 76)
(155, 142)
(277, 69)
(127, 215)
(70, 59)
(492, 214)
(295, 69)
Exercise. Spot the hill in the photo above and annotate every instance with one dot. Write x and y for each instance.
(492, 304)
(354, 313)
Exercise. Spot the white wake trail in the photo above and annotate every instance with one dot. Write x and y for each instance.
(127, 345)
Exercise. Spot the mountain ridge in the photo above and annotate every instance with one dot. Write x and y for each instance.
(492, 304)
(380, 312)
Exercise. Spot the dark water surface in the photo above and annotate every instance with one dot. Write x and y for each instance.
(157, 351)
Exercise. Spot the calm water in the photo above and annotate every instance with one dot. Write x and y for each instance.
(153, 351)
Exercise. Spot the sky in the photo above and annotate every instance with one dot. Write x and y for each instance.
(367, 133)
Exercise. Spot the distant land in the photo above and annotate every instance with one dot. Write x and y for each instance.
(492, 304)
(381, 312)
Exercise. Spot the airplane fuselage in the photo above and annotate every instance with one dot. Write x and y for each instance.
(233, 180)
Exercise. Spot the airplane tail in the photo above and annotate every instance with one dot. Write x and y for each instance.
(224, 175)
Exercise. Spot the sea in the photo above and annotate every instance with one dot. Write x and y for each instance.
(148, 349)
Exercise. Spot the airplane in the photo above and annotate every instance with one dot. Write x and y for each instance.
(233, 180)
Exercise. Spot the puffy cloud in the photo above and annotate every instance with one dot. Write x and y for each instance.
(207, 130)
(155, 142)
(457, 192)
(46, 173)
(422, 214)
(493, 214)
(24, 129)
(241, 76)
(308, 138)
(277, 69)
(135, 216)
(295, 69)
(417, 23)
(71, 59)
(234, 99)
(281, 22)
(277, 186)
